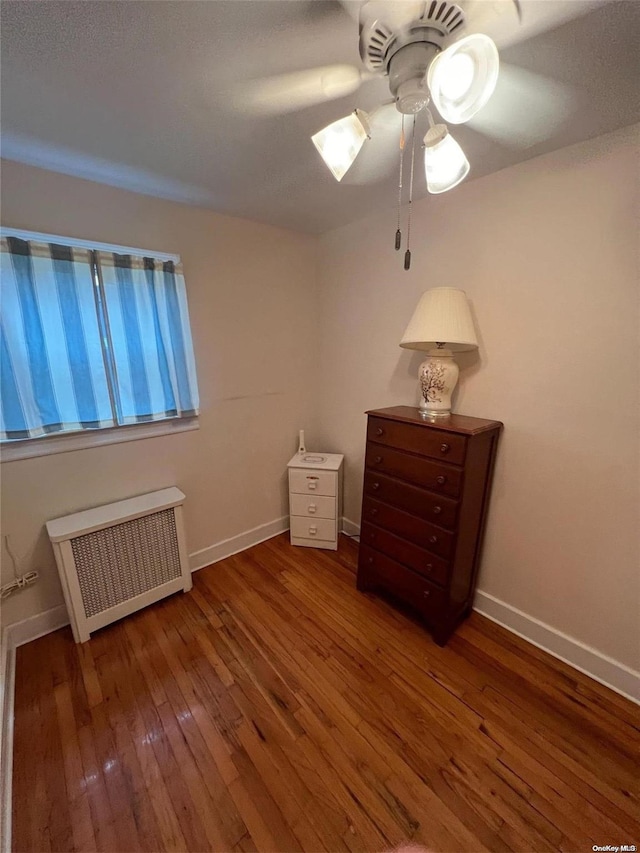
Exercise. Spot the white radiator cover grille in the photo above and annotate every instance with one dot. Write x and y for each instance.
(118, 558)
(120, 562)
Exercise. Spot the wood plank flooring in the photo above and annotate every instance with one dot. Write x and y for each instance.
(276, 708)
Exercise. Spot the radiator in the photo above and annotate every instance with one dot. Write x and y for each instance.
(118, 558)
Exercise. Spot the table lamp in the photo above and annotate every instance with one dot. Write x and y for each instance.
(440, 325)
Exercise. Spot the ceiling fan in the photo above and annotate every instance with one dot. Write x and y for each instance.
(429, 61)
(437, 57)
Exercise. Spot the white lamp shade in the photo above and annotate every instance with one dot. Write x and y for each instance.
(339, 143)
(463, 77)
(442, 316)
(445, 164)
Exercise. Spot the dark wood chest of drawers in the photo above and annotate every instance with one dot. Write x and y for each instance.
(426, 492)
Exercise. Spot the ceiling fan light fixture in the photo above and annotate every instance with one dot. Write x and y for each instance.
(340, 142)
(445, 163)
(462, 78)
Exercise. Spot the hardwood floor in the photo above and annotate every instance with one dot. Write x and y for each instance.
(276, 708)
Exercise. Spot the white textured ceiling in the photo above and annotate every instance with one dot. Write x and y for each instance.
(143, 94)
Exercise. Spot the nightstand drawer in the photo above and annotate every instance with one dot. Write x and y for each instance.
(435, 508)
(379, 570)
(421, 561)
(409, 527)
(443, 479)
(313, 528)
(314, 506)
(435, 443)
(313, 482)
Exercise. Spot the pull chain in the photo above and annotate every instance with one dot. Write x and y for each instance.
(398, 232)
(407, 254)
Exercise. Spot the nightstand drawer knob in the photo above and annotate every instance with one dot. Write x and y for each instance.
(444, 448)
(428, 568)
(426, 593)
(441, 480)
(370, 561)
(312, 485)
(378, 460)
(312, 508)
(375, 486)
(379, 431)
(313, 530)
(373, 511)
(437, 510)
(433, 539)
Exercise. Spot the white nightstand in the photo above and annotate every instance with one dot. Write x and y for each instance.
(315, 499)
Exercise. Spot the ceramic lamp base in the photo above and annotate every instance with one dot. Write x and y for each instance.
(438, 375)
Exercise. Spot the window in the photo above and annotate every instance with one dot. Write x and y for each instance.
(90, 339)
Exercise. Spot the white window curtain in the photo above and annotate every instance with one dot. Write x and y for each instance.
(91, 339)
(52, 371)
(150, 337)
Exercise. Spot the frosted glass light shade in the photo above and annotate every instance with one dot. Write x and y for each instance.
(339, 143)
(441, 316)
(445, 164)
(463, 77)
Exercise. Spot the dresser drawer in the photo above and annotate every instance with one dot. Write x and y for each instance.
(409, 527)
(436, 508)
(313, 482)
(314, 506)
(435, 443)
(380, 570)
(428, 565)
(444, 479)
(313, 528)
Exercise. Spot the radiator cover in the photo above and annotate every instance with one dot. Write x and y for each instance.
(115, 559)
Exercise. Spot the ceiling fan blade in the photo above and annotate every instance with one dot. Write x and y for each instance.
(525, 109)
(397, 14)
(286, 93)
(352, 8)
(511, 21)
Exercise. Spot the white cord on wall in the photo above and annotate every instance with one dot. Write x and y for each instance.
(18, 582)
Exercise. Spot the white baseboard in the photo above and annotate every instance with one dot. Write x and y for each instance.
(586, 659)
(36, 626)
(350, 527)
(7, 681)
(229, 547)
(13, 636)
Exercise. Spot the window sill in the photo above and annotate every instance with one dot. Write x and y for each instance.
(29, 448)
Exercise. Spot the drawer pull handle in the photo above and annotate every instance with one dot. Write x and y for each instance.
(312, 508)
(379, 431)
(437, 510)
(426, 593)
(312, 485)
(370, 561)
(378, 460)
(441, 480)
(375, 487)
(428, 568)
(433, 539)
(313, 530)
(374, 511)
(444, 448)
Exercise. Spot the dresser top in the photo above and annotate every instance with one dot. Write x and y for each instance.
(318, 461)
(452, 423)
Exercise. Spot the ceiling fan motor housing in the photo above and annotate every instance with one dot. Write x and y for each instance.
(401, 40)
(407, 76)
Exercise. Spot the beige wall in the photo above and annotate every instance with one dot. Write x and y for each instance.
(548, 254)
(252, 294)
